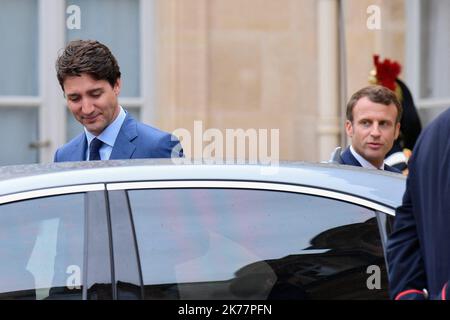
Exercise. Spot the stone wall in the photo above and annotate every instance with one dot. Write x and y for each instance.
(253, 64)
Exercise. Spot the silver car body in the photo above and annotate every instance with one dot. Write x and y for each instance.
(90, 235)
(375, 189)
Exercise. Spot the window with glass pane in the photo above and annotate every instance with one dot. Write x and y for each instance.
(42, 244)
(250, 244)
(19, 54)
(104, 20)
(18, 127)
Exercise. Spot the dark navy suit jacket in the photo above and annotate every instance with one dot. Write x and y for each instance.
(134, 141)
(348, 158)
(418, 250)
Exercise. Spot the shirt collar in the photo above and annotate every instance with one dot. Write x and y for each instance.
(109, 135)
(364, 163)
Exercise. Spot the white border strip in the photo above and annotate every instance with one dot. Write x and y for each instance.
(148, 41)
(52, 113)
(413, 50)
(250, 185)
(51, 192)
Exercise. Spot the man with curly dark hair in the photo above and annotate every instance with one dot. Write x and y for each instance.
(89, 76)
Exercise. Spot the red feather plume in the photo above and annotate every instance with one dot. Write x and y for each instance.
(387, 72)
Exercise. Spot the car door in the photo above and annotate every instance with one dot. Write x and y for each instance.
(252, 240)
(54, 244)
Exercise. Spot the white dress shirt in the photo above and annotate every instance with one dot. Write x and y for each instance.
(364, 163)
(108, 136)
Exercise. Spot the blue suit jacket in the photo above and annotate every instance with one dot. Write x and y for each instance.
(418, 250)
(134, 141)
(348, 158)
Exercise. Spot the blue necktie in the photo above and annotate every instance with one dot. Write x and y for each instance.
(94, 148)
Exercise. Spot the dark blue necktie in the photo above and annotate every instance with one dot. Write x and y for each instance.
(94, 148)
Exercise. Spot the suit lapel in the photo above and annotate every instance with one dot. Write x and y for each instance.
(348, 158)
(391, 169)
(78, 152)
(123, 146)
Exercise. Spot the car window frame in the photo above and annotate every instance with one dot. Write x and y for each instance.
(255, 185)
(118, 204)
(104, 191)
(93, 194)
(98, 223)
(380, 211)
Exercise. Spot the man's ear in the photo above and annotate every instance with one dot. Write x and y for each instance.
(117, 86)
(349, 128)
(397, 130)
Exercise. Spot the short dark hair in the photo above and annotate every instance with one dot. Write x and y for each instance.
(377, 94)
(87, 56)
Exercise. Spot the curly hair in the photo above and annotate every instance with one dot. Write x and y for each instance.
(87, 56)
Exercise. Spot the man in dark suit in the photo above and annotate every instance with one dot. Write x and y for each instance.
(89, 76)
(386, 73)
(373, 123)
(418, 252)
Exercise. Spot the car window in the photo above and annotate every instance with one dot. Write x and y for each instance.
(41, 248)
(254, 244)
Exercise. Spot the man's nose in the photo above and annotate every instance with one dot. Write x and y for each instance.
(375, 130)
(87, 107)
